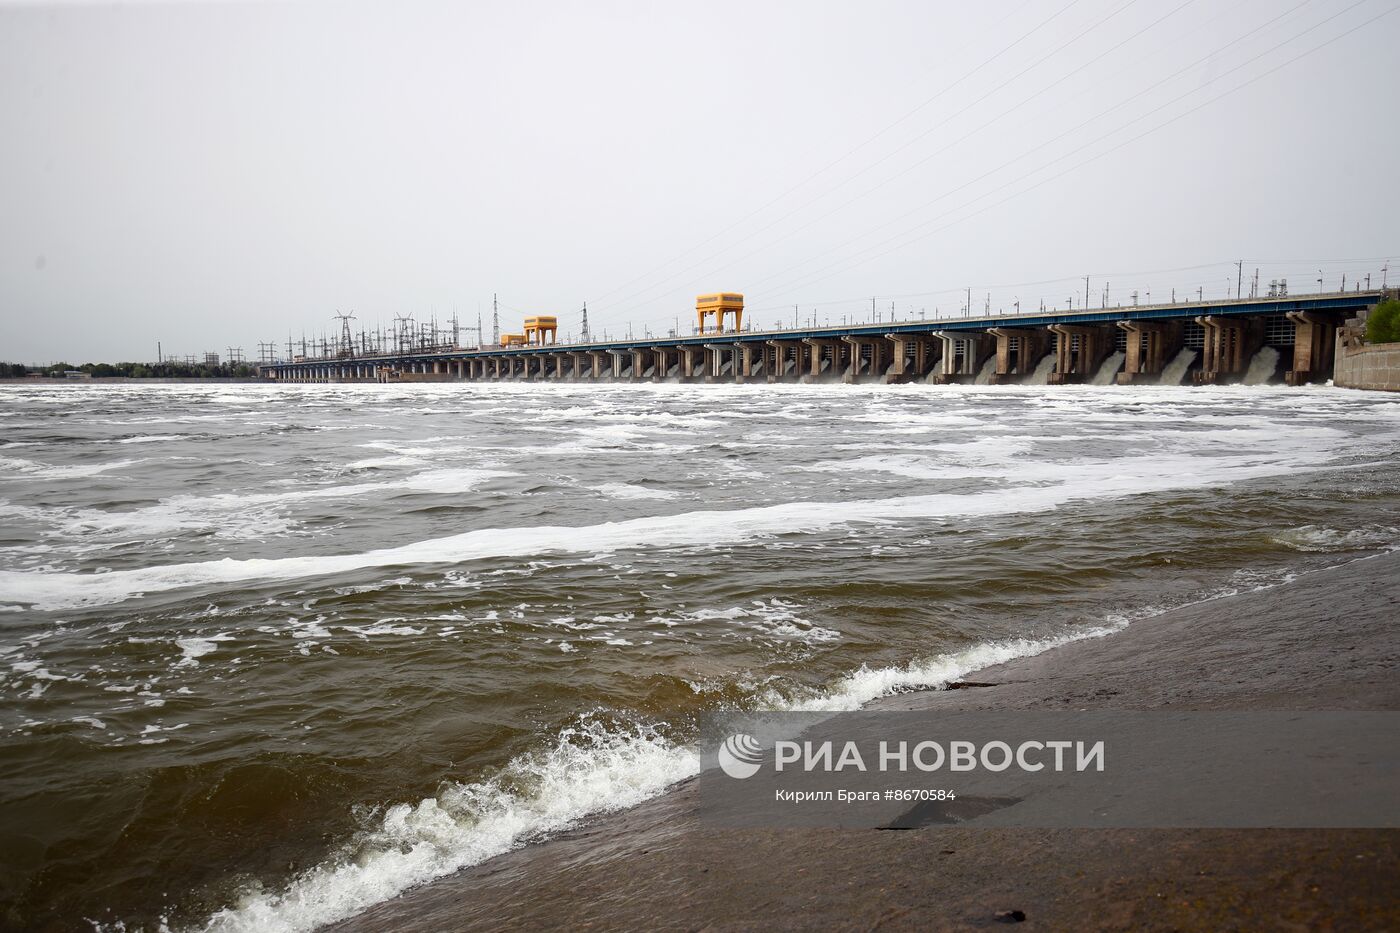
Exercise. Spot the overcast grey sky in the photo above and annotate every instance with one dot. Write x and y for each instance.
(215, 174)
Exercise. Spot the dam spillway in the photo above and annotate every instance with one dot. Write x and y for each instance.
(1218, 341)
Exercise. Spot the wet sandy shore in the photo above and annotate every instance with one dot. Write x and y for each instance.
(1329, 640)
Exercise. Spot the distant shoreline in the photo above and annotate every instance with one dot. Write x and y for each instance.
(1325, 640)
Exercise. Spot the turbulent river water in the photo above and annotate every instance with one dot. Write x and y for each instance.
(269, 654)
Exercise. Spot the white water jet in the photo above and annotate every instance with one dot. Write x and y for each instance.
(1041, 376)
(1262, 367)
(1175, 371)
(1109, 369)
(989, 368)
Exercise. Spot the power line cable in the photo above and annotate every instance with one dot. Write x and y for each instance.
(804, 205)
(1120, 145)
(1079, 149)
(1267, 24)
(1072, 131)
(1226, 268)
(853, 151)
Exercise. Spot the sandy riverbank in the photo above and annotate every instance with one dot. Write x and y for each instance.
(1325, 641)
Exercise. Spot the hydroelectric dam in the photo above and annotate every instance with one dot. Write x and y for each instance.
(1289, 339)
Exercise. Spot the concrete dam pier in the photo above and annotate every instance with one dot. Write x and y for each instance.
(1255, 340)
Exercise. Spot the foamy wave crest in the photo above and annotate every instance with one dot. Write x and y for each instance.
(255, 515)
(152, 438)
(908, 466)
(379, 463)
(777, 619)
(631, 491)
(866, 684)
(1094, 480)
(1321, 539)
(592, 769)
(48, 471)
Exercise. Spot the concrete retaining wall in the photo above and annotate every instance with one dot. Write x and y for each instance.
(1376, 366)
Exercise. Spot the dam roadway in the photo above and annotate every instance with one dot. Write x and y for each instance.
(1193, 343)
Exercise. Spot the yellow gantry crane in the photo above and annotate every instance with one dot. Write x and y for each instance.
(719, 305)
(543, 329)
(540, 327)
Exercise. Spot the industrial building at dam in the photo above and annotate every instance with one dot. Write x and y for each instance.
(1296, 340)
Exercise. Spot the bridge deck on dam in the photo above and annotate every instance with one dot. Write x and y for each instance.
(1258, 340)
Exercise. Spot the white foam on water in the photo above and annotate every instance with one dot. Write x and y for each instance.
(901, 421)
(906, 465)
(450, 480)
(29, 468)
(650, 419)
(1056, 484)
(399, 449)
(776, 619)
(630, 491)
(591, 439)
(384, 627)
(991, 450)
(196, 648)
(254, 515)
(152, 438)
(1317, 538)
(375, 463)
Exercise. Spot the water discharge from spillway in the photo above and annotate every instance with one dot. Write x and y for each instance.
(1108, 370)
(1043, 369)
(1175, 371)
(1262, 366)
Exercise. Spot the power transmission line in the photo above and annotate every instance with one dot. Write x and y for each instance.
(1101, 154)
(884, 158)
(1007, 164)
(953, 144)
(1066, 134)
(944, 90)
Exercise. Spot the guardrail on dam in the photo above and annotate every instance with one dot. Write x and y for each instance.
(1255, 340)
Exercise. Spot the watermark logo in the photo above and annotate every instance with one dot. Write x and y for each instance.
(896, 769)
(740, 756)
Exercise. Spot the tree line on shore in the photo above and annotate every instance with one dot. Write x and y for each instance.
(170, 369)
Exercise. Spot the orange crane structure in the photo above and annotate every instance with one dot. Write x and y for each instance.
(540, 327)
(720, 305)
